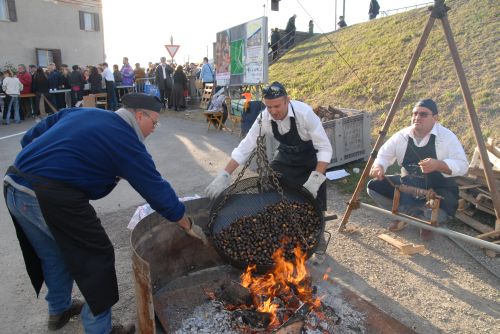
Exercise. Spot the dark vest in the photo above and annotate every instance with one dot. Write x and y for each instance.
(296, 158)
(413, 176)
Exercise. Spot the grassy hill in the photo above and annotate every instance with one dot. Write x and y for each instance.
(379, 52)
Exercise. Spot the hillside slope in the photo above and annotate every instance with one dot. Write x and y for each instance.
(380, 50)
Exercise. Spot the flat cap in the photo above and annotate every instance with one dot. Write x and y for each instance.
(142, 101)
(429, 104)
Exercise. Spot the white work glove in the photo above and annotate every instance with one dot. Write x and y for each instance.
(196, 232)
(314, 181)
(221, 182)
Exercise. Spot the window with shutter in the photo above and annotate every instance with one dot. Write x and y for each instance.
(8, 10)
(11, 5)
(89, 21)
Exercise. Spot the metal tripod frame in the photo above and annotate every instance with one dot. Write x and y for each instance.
(438, 11)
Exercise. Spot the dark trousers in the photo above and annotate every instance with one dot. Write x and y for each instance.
(166, 94)
(76, 95)
(111, 90)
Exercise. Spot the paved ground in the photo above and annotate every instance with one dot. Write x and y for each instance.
(441, 291)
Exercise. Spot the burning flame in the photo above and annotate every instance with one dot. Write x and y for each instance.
(286, 281)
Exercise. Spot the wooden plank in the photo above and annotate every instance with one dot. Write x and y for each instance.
(480, 227)
(476, 161)
(407, 249)
(491, 234)
(470, 186)
(492, 147)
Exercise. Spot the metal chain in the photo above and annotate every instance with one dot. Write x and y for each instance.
(268, 178)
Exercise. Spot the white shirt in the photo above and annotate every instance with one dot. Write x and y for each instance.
(448, 149)
(163, 66)
(309, 127)
(108, 75)
(12, 86)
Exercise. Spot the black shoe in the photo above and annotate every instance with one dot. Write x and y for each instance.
(59, 320)
(123, 329)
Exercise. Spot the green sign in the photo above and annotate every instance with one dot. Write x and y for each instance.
(237, 53)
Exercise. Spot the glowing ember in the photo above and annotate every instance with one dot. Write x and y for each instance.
(282, 286)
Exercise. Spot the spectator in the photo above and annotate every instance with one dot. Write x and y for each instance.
(180, 85)
(164, 82)
(290, 32)
(275, 41)
(55, 82)
(127, 73)
(430, 157)
(109, 79)
(41, 90)
(311, 27)
(32, 70)
(341, 22)
(76, 82)
(207, 72)
(65, 72)
(150, 71)
(12, 88)
(95, 80)
(374, 9)
(26, 79)
(117, 75)
(139, 72)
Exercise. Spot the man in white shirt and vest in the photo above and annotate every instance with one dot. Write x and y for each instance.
(430, 156)
(304, 151)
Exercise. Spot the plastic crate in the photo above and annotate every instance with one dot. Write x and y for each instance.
(350, 138)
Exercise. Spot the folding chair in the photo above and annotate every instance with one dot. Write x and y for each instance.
(214, 118)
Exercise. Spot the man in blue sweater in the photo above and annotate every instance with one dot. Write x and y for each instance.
(68, 159)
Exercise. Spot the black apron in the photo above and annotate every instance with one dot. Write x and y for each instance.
(413, 176)
(295, 159)
(85, 246)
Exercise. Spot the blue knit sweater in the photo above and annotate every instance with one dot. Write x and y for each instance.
(90, 149)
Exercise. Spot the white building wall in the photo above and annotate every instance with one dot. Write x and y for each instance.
(50, 25)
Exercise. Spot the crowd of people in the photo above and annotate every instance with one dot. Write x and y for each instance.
(46, 83)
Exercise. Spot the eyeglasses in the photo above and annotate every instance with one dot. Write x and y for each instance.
(155, 123)
(273, 91)
(422, 114)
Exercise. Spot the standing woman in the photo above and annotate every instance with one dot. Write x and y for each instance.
(117, 75)
(95, 80)
(180, 84)
(41, 88)
(12, 88)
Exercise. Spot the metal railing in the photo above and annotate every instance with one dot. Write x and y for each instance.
(403, 9)
(141, 83)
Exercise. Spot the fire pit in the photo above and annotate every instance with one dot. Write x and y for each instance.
(188, 288)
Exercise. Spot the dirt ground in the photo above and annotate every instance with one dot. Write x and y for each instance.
(443, 290)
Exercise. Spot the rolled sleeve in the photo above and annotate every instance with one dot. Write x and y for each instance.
(452, 153)
(241, 153)
(388, 154)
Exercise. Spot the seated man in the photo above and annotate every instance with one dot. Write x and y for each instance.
(431, 157)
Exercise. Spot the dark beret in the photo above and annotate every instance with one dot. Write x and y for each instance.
(142, 101)
(429, 104)
(274, 90)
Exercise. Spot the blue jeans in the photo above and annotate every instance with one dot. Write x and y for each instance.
(14, 100)
(58, 280)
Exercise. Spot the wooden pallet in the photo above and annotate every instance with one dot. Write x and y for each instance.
(207, 96)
